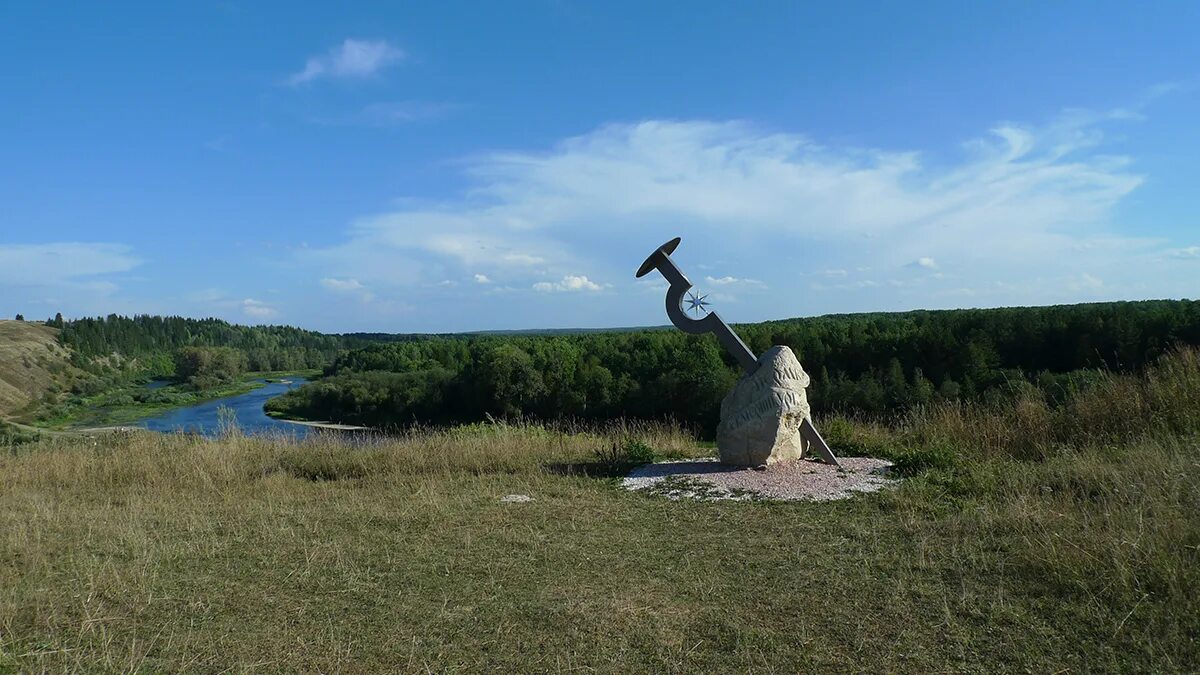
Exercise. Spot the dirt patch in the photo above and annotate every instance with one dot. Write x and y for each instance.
(801, 480)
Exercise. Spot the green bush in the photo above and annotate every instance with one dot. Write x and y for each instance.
(208, 367)
(624, 454)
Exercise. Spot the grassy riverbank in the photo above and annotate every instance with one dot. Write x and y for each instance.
(132, 401)
(1027, 537)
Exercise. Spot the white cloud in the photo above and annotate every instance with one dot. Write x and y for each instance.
(1187, 253)
(353, 59)
(569, 283)
(342, 285)
(653, 285)
(730, 281)
(258, 309)
(75, 278)
(348, 286)
(523, 259)
(1086, 282)
(1026, 204)
(62, 263)
(482, 279)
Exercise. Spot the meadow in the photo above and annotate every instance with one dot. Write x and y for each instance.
(1027, 534)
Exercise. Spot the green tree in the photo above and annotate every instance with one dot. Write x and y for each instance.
(894, 385)
(949, 390)
(207, 367)
(921, 392)
(512, 384)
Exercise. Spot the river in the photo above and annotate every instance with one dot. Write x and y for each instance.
(204, 418)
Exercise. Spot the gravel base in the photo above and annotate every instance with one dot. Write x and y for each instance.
(802, 480)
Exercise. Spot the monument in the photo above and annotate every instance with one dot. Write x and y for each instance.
(765, 418)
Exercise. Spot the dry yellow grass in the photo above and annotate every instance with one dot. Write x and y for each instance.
(31, 362)
(1027, 538)
(142, 552)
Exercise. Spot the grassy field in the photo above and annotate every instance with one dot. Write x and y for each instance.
(1026, 537)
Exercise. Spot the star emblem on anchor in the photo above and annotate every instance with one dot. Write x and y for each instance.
(697, 303)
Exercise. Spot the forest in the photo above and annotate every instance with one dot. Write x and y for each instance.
(149, 345)
(871, 364)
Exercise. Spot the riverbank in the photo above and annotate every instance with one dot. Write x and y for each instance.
(322, 424)
(134, 401)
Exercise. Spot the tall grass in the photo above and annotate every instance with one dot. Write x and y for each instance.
(1110, 409)
(153, 462)
(1093, 502)
(1030, 535)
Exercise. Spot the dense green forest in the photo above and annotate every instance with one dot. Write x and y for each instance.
(150, 344)
(865, 363)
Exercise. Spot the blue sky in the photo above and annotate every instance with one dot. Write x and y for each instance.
(467, 166)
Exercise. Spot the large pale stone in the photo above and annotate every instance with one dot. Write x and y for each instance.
(761, 417)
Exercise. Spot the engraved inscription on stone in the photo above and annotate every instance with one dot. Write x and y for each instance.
(760, 418)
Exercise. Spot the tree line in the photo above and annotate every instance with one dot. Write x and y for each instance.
(150, 345)
(869, 363)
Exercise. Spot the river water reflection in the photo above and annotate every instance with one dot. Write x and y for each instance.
(204, 418)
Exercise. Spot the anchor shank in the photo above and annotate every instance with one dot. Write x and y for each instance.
(734, 345)
(712, 323)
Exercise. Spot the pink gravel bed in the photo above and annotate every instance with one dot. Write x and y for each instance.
(792, 481)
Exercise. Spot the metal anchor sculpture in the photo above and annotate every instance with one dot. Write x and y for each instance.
(711, 323)
(660, 260)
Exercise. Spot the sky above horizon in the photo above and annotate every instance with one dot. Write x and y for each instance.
(442, 167)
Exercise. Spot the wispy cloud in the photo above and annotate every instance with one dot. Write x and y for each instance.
(341, 285)
(733, 281)
(76, 278)
(349, 286)
(1186, 253)
(482, 279)
(257, 309)
(522, 259)
(1086, 282)
(353, 59)
(62, 263)
(1024, 203)
(568, 284)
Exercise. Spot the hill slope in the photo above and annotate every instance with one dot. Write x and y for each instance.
(31, 363)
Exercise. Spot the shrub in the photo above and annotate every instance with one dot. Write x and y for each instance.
(206, 367)
(625, 453)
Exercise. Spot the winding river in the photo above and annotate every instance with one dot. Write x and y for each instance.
(204, 418)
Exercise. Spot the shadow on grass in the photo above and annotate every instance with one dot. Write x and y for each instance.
(598, 469)
(589, 469)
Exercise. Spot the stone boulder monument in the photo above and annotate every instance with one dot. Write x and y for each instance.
(765, 418)
(761, 417)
